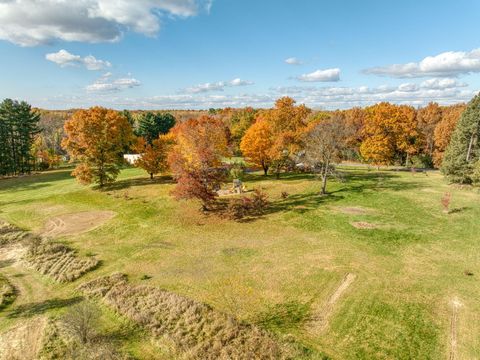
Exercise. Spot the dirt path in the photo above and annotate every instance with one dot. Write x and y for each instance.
(456, 305)
(23, 340)
(321, 317)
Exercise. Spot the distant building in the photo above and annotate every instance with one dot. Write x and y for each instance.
(132, 158)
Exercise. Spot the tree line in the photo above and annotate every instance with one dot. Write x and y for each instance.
(286, 137)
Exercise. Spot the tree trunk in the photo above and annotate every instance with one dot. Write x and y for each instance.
(324, 178)
(470, 145)
(151, 176)
(265, 169)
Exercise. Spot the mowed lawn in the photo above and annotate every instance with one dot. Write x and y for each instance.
(409, 262)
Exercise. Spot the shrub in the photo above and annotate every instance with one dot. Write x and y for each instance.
(238, 208)
(81, 320)
(260, 202)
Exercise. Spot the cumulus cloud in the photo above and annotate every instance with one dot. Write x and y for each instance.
(216, 86)
(447, 64)
(34, 22)
(64, 59)
(293, 61)
(107, 83)
(326, 75)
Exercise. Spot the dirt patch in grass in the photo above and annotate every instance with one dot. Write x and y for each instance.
(320, 318)
(23, 341)
(363, 225)
(353, 210)
(197, 330)
(76, 223)
(456, 305)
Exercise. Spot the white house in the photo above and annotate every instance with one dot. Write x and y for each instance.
(132, 158)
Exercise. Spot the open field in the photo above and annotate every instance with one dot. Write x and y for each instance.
(401, 285)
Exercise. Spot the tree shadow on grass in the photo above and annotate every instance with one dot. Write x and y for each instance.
(37, 308)
(128, 183)
(34, 181)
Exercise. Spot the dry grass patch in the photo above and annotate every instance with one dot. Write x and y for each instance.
(10, 234)
(76, 223)
(23, 341)
(59, 261)
(363, 225)
(197, 330)
(55, 260)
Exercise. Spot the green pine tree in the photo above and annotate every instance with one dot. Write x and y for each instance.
(463, 152)
(151, 125)
(18, 127)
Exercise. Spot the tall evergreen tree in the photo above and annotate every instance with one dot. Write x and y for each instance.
(463, 152)
(151, 125)
(18, 126)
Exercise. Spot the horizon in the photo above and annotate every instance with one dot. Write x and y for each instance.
(201, 54)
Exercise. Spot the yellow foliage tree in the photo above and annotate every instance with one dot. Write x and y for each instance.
(257, 143)
(390, 134)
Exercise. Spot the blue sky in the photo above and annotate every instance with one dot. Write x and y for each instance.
(165, 54)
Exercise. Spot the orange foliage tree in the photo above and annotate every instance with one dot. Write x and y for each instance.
(257, 143)
(96, 138)
(196, 159)
(390, 134)
(153, 157)
(428, 118)
(444, 129)
(288, 123)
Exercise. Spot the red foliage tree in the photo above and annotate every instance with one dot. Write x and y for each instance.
(196, 159)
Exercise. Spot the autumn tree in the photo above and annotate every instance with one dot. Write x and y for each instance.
(257, 143)
(324, 144)
(152, 125)
(153, 157)
(390, 134)
(463, 150)
(96, 139)
(239, 122)
(444, 129)
(428, 119)
(288, 123)
(196, 159)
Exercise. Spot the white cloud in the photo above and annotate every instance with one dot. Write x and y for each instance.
(64, 58)
(329, 97)
(293, 61)
(106, 83)
(444, 83)
(451, 63)
(217, 86)
(321, 76)
(36, 22)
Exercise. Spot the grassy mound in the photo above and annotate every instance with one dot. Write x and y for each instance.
(197, 330)
(10, 234)
(7, 292)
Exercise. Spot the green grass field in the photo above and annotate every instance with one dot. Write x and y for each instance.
(280, 270)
